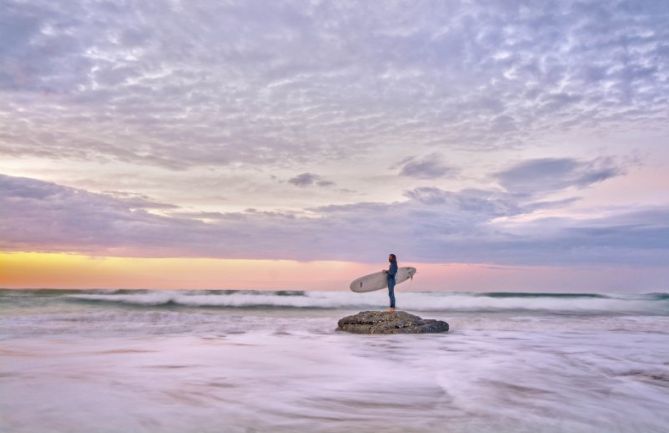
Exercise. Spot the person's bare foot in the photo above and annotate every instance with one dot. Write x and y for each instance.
(391, 310)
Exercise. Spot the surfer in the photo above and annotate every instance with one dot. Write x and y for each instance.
(390, 275)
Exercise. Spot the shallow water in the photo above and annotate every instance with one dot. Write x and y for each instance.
(118, 363)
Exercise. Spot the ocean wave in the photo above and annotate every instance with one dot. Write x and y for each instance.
(419, 301)
(234, 299)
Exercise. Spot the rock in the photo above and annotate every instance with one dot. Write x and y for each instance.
(382, 322)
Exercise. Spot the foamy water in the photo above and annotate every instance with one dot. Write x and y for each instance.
(198, 361)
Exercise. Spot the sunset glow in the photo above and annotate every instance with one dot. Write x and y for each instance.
(76, 271)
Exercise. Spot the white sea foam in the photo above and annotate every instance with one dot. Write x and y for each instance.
(201, 362)
(469, 380)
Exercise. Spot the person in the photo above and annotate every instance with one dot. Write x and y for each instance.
(390, 275)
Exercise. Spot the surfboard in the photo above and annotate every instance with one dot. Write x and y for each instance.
(378, 280)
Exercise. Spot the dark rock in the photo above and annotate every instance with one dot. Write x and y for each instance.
(383, 322)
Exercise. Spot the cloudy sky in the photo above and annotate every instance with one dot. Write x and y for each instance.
(525, 137)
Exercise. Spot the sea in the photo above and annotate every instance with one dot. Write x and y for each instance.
(155, 361)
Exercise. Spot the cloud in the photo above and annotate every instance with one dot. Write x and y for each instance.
(215, 97)
(139, 201)
(216, 83)
(427, 167)
(309, 179)
(431, 225)
(546, 175)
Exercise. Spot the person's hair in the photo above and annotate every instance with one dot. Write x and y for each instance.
(394, 257)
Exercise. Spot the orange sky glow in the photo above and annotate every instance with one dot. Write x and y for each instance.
(77, 271)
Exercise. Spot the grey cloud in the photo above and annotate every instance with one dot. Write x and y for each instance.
(428, 167)
(431, 225)
(182, 84)
(139, 201)
(474, 203)
(309, 179)
(545, 175)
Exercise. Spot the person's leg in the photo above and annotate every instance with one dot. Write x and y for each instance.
(391, 292)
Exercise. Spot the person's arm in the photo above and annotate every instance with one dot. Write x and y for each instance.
(392, 270)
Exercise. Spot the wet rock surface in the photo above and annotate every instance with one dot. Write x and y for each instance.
(384, 322)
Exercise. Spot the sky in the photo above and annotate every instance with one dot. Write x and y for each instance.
(494, 145)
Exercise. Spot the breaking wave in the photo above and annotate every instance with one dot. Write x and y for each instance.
(654, 303)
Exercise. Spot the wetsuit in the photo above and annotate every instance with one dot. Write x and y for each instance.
(392, 270)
